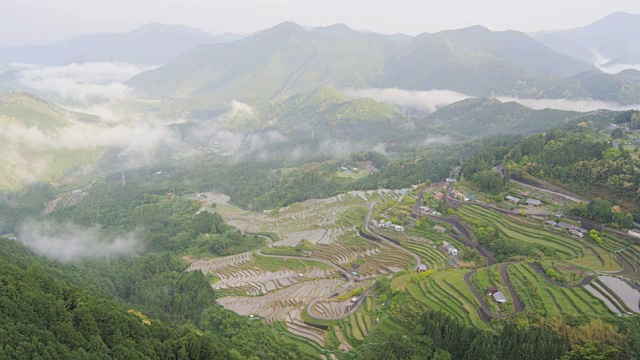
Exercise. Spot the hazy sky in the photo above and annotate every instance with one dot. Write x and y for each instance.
(45, 21)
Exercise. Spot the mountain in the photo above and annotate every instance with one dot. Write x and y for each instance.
(287, 60)
(622, 88)
(275, 64)
(485, 117)
(614, 37)
(475, 61)
(152, 44)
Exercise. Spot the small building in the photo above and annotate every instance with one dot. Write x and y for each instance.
(398, 228)
(634, 233)
(422, 268)
(512, 199)
(354, 273)
(435, 213)
(451, 180)
(438, 195)
(533, 202)
(559, 216)
(492, 290)
(424, 209)
(551, 222)
(354, 299)
(439, 229)
(450, 249)
(201, 198)
(499, 297)
(565, 225)
(577, 233)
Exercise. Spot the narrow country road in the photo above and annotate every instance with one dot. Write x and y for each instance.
(518, 305)
(538, 268)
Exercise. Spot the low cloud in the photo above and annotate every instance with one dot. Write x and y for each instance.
(603, 63)
(239, 108)
(67, 242)
(79, 83)
(581, 105)
(426, 101)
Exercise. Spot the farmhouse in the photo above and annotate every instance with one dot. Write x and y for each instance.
(435, 213)
(398, 228)
(533, 202)
(438, 195)
(422, 268)
(499, 297)
(424, 209)
(492, 290)
(551, 222)
(512, 199)
(450, 249)
(634, 233)
(201, 198)
(439, 229)
(577, 233)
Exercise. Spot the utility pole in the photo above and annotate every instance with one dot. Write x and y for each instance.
(123, 182)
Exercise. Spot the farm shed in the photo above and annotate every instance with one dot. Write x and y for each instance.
(533, 202)
(499, 297)
(512, 199)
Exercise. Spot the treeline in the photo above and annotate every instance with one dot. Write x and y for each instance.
(479, 168)
(15, 207)
(580, 161)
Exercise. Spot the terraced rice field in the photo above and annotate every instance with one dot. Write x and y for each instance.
(256, 275)
(532, 233)
(276, 305)
(552, 300)
(432, 257)
(320, 221)
(329, 308)
(446, 291)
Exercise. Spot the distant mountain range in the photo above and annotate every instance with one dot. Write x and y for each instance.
(152, 44)
(615, 38)
(288, 59)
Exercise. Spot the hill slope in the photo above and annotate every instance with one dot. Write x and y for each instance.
(152, 44)
(614, 37)
(482, 117)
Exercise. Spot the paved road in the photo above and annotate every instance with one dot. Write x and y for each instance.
(518, 305)
(389, 242)
(455, 222)
(538, 268)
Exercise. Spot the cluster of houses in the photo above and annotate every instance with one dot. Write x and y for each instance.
(531, 202)
(425, 210)
(390, 225)
(497, 295)
(449, 249)
(574, 230)
(459, 195)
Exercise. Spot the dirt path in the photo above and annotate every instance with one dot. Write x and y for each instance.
(518, 305)
(538, 268)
